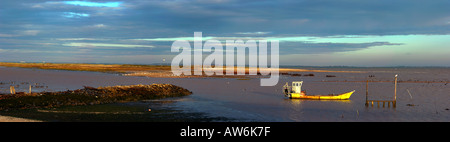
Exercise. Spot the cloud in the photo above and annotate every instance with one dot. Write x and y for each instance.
(65, 39)
(30, 32)
(99, 26)
(310, 39)
(323, 48)
(95, 45)
(21, 33)
(173, 39)
(37, 6)
(302, 44)
(213, 1)
(253, 33)
(93, 4)
(7, 35)
(75, 15)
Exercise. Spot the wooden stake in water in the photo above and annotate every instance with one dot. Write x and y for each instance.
(13, 91)
(367, 92)
(30, 89)
(395, 91)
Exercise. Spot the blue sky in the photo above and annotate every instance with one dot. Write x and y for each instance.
(311, 32)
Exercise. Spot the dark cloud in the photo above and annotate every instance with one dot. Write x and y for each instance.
(317, 17)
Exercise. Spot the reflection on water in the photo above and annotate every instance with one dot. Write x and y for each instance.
(297, 101)
(295, 109)
(300, 109)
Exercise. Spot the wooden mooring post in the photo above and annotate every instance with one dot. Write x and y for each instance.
(12, 90)
(367, 92)
(393, 102)
(395, 91)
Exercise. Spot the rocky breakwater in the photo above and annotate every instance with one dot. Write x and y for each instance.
(90, 96)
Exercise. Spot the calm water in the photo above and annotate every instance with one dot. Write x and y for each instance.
(245, 100)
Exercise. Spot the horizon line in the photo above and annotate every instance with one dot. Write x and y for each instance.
(318, 66)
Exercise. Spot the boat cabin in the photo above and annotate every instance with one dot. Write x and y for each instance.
(297, 86)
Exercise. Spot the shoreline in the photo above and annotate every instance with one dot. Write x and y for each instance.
(16, 119)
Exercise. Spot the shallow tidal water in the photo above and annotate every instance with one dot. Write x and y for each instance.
(418, 100)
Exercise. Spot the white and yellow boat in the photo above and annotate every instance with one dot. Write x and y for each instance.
(294, 92)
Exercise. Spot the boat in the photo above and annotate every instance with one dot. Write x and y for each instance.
(294, 92)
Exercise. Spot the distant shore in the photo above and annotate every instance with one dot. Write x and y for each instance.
(158, 71)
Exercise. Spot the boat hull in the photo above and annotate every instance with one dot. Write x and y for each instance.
(343, 96)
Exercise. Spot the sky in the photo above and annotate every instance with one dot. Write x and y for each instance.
(310, 32)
